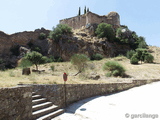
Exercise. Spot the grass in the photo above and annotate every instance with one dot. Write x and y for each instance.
(142, 71)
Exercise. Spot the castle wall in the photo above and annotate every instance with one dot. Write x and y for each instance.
(21, 38)
(75, 22)
(79, 21)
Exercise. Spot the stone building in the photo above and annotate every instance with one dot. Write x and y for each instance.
(77, 22)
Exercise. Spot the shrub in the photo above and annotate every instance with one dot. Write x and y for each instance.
(130, 54)
(79, 60)
(52, 67)
(96, 57)
(148, 58)
(42, 36)
(114, 68)
(25, 63)
(134, 59)
(105, 30)
(36, 48)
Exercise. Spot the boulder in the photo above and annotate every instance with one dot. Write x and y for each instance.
(26, 71)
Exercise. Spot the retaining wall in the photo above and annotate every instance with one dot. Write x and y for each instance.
(16, 103)
(76, 92)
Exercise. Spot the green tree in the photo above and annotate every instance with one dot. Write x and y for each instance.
(79, 12)
(36, 58)
(141, 42)
(85, 10)
(79, 60)
(59, 31)
(105, 30)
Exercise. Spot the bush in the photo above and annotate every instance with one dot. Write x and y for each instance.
(105, 30)
(36, 48)
(1, 61)
(130, 54)
(134, 59)
(52, 67)
(79, 60)
(114, 68)
(148, 58)
(96, 57)
(42, 36)
(25, 63)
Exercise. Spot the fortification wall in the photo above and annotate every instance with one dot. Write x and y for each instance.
(16, 103)
(21, 38)
(77, 22)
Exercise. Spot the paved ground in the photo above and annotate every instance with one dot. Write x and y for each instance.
(140, 103)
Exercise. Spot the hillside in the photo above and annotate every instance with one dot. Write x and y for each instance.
(94, 68)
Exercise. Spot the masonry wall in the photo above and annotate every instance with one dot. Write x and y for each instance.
(16, 103)
(21, 38)
(76, 92)
(77, 22)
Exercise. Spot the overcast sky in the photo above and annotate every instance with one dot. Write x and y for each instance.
(141, 16)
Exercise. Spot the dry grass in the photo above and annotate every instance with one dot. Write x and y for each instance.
(142, 71)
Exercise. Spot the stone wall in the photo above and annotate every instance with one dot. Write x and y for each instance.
(77, 22)
(16, 103)
(21, 38)
(76, 92)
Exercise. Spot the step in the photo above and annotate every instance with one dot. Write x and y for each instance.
(51, 115)
(34, 97)
(33, 93)
(39, 101)
(41, 106)
(44, 111)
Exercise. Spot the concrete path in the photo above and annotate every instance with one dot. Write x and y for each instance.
(140, 103)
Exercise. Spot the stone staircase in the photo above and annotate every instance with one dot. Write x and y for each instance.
(42, 109)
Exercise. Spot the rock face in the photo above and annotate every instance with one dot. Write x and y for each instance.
(84, 43)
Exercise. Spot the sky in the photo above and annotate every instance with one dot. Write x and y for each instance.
(141, 16)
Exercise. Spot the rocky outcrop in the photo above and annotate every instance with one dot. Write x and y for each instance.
(82, 42)
(88, 45)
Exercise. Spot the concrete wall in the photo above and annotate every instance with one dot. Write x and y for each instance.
(16, 103)
(76, 92)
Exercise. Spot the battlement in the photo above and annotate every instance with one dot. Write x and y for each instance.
(77, 22)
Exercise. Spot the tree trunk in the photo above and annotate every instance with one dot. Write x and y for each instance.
(36, 66)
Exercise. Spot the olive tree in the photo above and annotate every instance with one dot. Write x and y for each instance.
(36, 58)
